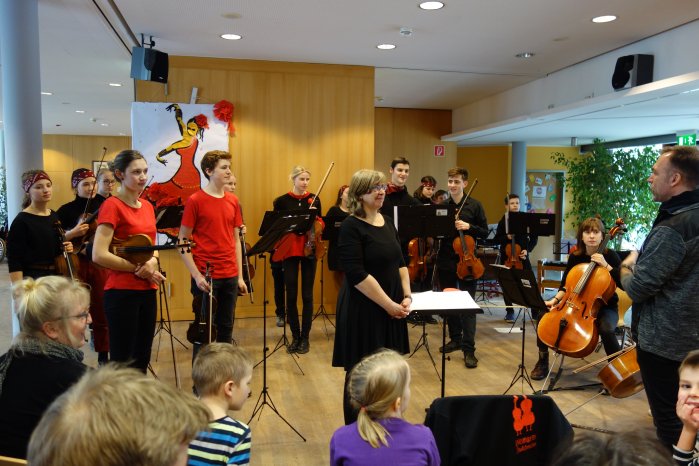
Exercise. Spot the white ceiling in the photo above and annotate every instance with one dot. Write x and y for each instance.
(455, 56)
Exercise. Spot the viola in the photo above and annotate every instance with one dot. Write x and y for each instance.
(138, 249)
(202, 331)
(417, 266)
(569, 327)
(469, 266)
(67, 263)
(513, 251)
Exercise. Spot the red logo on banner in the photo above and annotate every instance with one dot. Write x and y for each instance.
(439, 151)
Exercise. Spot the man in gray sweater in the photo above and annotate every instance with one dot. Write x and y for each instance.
(662, 280)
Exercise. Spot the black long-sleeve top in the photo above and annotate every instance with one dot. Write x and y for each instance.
(527, 242)
(473, 214)
(32, 240)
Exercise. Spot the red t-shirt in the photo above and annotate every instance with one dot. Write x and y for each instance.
(127, 221)
(212, 220)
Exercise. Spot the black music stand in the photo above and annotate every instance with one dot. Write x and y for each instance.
(520, 287)
(426, 304)
(330, 233)
(275, 229)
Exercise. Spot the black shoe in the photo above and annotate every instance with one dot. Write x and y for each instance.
(541, 369)
(510, 318)
(470, 360)
(453, 345)
(280, 321)
(294, 345)
(304, 346)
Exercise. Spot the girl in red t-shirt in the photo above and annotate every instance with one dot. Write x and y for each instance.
(129, 296)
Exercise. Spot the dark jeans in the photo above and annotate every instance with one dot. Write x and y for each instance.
(607, 320)
(226, 294)
(463, 328)
(278, 278)
(291, 282)
(131, 319)
(661, 381)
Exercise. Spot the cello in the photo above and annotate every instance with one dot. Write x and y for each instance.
(569, 327)
(469, 266)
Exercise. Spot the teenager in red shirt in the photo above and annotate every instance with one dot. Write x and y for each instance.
(212, 218)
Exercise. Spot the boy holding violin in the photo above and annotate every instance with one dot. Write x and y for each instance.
(472, 222)
(212, 218)
(523, 244)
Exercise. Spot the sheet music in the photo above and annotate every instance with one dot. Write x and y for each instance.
(430, 300)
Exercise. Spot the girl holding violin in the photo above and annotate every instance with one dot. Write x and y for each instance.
(130, 290)
(514, 257)
(294, 257)
(73, 215)
(472, 222)
(212, 218)
(589, 237)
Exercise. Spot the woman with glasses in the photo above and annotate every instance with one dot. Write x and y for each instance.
(79, 216)
(106, 182)
(44, 359)
(375, 296)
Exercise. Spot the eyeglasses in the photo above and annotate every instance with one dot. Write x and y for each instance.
(82, 316)
(109, 181)
(378, 187)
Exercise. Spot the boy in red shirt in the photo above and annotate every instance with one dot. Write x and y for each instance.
(212, 218)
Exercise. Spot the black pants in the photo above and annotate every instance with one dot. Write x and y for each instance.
(226, 294)
(462, 328)
(661, 381)
(131, 320)
(291, 286)
(278, 279)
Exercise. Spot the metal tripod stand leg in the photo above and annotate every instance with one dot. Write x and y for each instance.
(165, 325)
(321, 309)
(423, 342)
(264, 399)
(522, 369)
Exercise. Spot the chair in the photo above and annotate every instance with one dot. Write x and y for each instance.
(497, 429)
(7, 461)
(544, 265)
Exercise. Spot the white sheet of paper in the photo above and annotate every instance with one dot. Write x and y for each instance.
(431, 300)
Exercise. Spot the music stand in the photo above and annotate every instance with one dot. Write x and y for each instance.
(274, 231)
(445, 304)
(330, 233)
(521, 288)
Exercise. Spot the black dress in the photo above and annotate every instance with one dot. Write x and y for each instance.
(362, 325)
(333, 257)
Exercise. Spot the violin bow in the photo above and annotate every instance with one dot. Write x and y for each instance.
(468, 194)
(322, 183)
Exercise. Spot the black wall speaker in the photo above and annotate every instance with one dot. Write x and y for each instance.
(632, 70)
(149, 65)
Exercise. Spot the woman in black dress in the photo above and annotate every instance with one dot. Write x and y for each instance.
(375, 296)
(339, 211)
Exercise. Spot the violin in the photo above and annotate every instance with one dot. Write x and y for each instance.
(202, 331)
(569, 327)
(91, 221)
(513, 251)
(417, 266)
(67, 264)
(138, 249)
(315, 247)
(469, 266)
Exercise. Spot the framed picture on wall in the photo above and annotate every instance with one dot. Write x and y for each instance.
(97, 165)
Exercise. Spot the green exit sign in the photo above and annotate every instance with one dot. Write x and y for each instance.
(687, 139)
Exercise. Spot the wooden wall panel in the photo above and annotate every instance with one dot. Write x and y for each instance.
(491, 166)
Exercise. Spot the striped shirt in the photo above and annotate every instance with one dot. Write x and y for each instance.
(227, 442)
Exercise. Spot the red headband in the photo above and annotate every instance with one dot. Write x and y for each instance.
(427, 184)
(38, 176)
(79, 175)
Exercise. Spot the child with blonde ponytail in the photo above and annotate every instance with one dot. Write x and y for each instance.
(379, 387)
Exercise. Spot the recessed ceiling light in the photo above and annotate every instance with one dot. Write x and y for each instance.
(525, 55)
(385, 46)
(431, 5)
(80, 111)
(115, 84)
(104, 124)
(604, 19)
(231, 36)
(46, 93)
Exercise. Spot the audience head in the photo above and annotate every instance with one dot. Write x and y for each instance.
(53, 307)
(379, 387)
(117, 416)
(37, 187)
(223, 370)
(623, 449)
(210, 161)
(363, 182)
(688, 392)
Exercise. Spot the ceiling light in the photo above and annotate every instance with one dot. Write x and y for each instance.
(231, 36)
(46, 93)
(385, 46)
(604, 19)
(115, 84)
(104, 124)
(525, 55)
(80, 111)
(431, 5)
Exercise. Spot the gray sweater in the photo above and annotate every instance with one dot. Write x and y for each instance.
(664, 284)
